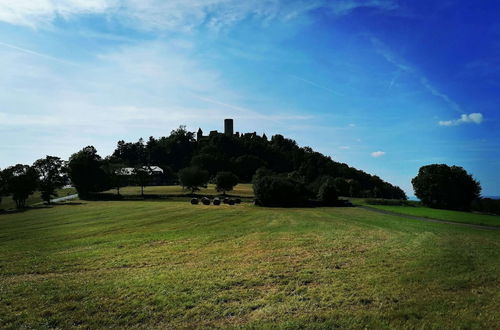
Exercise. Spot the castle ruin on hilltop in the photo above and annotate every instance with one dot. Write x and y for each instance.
(228, 130)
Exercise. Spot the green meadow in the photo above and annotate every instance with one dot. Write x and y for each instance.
(169, 264)
(448, 215)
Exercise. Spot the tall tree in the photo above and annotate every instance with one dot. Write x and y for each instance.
(86, 172)
(443, 186)
(142, 177)
(51, 173)
(22, 181)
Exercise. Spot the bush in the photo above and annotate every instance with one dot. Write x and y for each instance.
(273, 190)
(328, 192)
(487, 205)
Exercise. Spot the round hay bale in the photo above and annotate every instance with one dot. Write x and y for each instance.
(231, 202)
(205, 201)
(194, 201)
(226, 200)
(237, 201)
(216, 201)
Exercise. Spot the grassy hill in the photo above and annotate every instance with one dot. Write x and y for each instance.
(163, 264)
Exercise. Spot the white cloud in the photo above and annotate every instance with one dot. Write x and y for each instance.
(344, 147)
(174, 14)
(473, 118)
(377, 154)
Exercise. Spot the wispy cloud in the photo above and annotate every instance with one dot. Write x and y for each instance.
(473, 118)
(175, 14)
(402, 66)
(453, 105)
(312, 83)
(32, 52)
(377, 154)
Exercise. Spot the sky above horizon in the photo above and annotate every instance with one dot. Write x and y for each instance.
(385, 86)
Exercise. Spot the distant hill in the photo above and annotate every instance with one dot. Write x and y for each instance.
(243, 155)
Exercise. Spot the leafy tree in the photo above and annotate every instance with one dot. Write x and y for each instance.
(86, 172)
(225, 181)
(22, 181)
(442, 186)
(52, 176)
(193, 178)
(142, 177)
(328, 192)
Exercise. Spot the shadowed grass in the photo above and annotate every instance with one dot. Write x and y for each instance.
(8, 203)
(170, 264)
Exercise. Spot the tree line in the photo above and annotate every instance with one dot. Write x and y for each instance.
(282, 173)
(235, 158)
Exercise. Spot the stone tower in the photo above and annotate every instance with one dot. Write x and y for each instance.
(228, 127)
(199, 134)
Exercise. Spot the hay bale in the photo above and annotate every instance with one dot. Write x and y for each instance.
(205, 201)
(231, 202)
(237, 201)
(226, 200)
(194, 201)
(216, 201)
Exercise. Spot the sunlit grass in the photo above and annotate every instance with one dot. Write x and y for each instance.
(168, 264)
(243, 190)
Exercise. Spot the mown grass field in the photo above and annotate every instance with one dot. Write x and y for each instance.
(448, 215)
(168, 264)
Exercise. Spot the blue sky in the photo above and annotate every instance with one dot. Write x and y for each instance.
(383, 85)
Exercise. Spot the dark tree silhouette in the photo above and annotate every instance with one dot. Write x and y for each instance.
(328, 192)
(22, 181)
(142, 177)
(52, 176)
(443, 186)
(3, 185)
(86, 172)
(275, 190)
(193, 178)
(225, 181)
